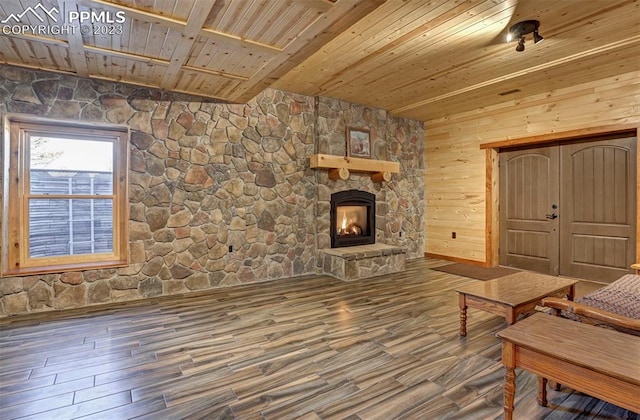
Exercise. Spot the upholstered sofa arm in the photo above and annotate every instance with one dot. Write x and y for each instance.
(593, 315)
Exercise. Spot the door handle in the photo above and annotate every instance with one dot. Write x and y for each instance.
(552, 216)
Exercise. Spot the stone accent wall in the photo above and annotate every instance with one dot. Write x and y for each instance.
(205, 176)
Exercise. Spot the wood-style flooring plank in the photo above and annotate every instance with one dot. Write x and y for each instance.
(400, 404)
(14, 410)
(82, 369)
(307, 348)
(291, 403)
(362, 400)
(131, 384)
(136, 409)
(44, 392)
(15, 385)
(82, 409)
(254, 404)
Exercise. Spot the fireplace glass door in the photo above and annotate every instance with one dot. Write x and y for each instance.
(353, 218)
(352, 221)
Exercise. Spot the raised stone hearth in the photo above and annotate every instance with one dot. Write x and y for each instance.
(358, 262)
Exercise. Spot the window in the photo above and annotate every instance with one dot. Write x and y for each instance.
(65, 201)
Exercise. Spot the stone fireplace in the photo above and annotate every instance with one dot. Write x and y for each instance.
(354, 253)
(353, 218)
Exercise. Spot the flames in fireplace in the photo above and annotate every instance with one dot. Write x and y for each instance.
(353, 220)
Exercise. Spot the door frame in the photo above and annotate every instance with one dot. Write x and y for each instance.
(492, 198)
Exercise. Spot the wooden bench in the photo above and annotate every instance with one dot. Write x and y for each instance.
(597, 361)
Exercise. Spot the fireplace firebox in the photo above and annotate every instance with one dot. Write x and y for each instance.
(353, 218)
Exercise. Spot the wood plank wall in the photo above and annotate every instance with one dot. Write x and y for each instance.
(456, 167)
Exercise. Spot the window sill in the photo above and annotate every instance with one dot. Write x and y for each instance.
(62, 268)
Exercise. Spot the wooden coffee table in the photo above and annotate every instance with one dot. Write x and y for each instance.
(512, 295)
(597, 361)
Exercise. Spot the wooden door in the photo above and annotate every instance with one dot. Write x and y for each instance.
(570, 209)
(598, 212)
(529, 191)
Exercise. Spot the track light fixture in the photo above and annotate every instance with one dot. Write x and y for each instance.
(537, 37)
(520, 29)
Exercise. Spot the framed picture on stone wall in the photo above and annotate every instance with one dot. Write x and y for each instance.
(358, 142)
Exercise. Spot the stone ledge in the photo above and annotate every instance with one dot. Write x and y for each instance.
(359, 262)
(365, 251)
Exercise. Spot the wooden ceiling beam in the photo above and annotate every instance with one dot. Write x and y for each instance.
(126, 55)
(153, 86)
(41, 39)
(198, 15)
(114, 53)
(77, 52)
(180, 25)
(140, 14)
(37, 67)
(215, 73)
(108, 79)
(159, 61)
(239, 41)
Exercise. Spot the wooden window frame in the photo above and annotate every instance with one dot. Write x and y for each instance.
(15, 216)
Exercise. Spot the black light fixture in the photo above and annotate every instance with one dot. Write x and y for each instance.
(537, 37)
(520, 29)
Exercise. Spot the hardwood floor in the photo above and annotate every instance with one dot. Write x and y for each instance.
(305, 348)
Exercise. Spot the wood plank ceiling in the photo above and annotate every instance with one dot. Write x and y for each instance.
(421, 59)
(223, 49)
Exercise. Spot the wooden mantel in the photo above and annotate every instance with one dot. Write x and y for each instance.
(340, 166)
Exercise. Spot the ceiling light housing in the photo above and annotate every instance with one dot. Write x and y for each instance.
(521, 29)
(537, 37)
